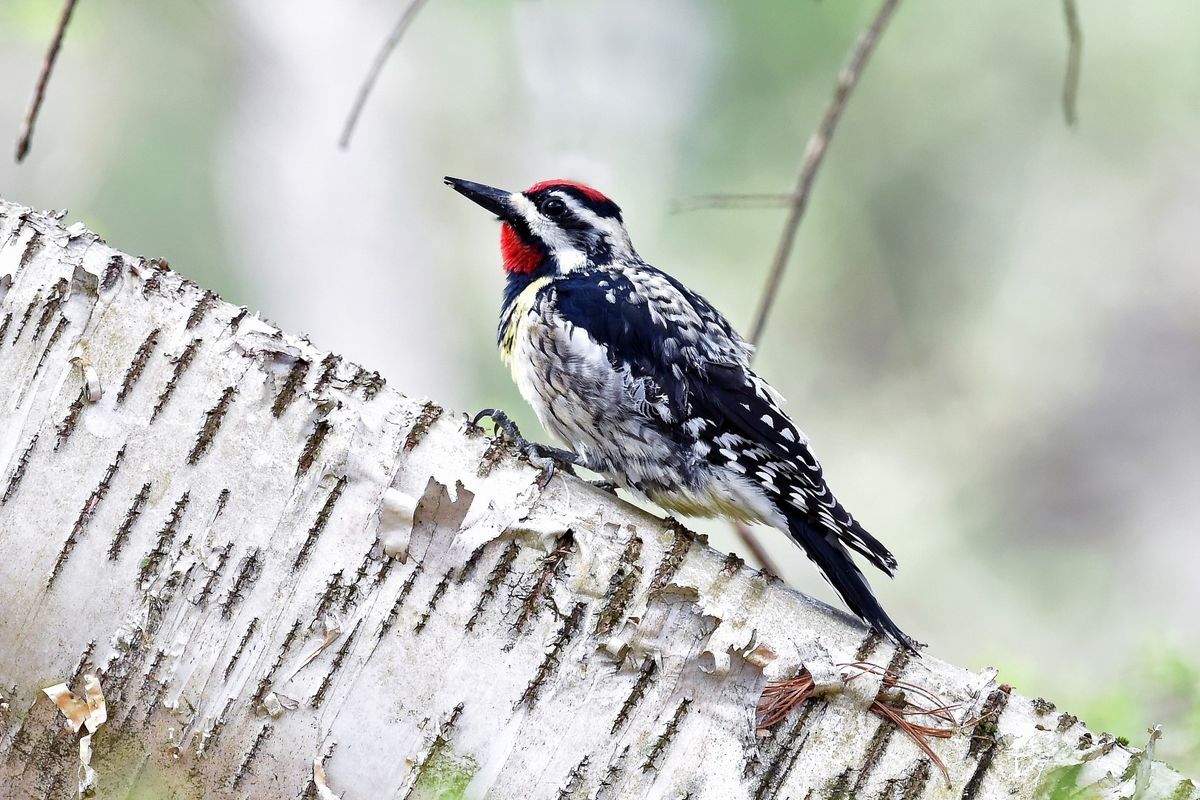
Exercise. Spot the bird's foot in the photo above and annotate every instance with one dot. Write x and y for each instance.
(543, 456)
(605, 486)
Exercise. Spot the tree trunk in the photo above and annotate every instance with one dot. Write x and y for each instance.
(260, 573)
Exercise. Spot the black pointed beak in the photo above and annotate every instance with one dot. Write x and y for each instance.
(491, 198)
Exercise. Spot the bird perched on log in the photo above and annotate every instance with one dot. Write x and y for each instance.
(651, 387)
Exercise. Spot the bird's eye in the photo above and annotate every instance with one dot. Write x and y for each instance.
(553, 207)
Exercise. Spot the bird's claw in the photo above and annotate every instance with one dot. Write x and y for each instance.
(605, 486)
(544, 457)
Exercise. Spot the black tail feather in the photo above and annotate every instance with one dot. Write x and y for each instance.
(838, 568)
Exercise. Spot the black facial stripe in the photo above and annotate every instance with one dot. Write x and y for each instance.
(601, 208)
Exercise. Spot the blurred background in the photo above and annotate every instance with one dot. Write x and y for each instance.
(990, 328)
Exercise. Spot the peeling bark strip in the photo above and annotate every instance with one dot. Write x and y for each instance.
(182, 362)
(319, 523)
(488, 607)
(212, 422)
(291, 386)
(550, 663)
(138, 365)
(14, 480)
(135, 511)
(85, 514)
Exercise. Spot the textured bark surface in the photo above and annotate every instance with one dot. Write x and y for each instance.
(292, 581)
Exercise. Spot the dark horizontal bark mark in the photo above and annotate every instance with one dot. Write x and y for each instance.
(438, 591)
(495, 578)
(241, 648)
(85, 514)
(131, 516)
(621, 585)
(291, 385)
(212, 423)
(264, 733)
(645, 678)
(319, 523)
(430, 412)
(206, 302)
(553, 656)
(181, 362)
(312, 447)
(664, 739)
(552, 564)
(166, 536)
(338, 659)
(138, 365)
(67, 426)
(985, 740)
(248, 573)
(14, 480)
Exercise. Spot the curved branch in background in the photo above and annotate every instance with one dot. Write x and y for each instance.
(703, 202)
(25, 136)
(1074, 55)
(385, 52)
(814, 154)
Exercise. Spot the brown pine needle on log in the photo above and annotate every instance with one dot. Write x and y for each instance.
(892, 703)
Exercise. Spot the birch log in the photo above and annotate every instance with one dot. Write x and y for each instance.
(237, 566)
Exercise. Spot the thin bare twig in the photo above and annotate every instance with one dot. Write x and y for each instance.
(756, 549)
(385, 52)
(814, 154)
(1074, 54)
(703, 202)
(25, 136)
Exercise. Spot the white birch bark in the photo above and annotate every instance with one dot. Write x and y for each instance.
(292, 581)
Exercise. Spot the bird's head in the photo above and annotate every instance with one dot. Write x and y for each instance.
(558, 225)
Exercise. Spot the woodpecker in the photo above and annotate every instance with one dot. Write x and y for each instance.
(651, 387)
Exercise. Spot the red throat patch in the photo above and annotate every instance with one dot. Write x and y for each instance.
(587, 191)
(519, 256)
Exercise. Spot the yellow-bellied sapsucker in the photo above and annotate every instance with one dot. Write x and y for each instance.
(651, 387)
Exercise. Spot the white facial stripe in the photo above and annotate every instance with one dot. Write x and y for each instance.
(610, 227)
(566, 252)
